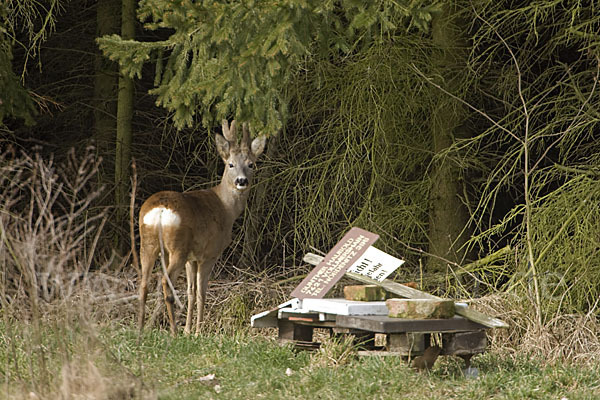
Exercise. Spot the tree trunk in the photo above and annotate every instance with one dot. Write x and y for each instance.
(448, 217)
(108, 15)
(124, 118)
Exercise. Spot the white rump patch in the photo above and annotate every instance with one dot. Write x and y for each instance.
(166, 217)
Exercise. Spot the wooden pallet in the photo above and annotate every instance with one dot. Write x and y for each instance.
(463, 335)
(403, 337)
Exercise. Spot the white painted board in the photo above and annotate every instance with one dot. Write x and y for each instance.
(285, 313)
(265, 319)
(345, 307)
(375, 264)
(268, 319)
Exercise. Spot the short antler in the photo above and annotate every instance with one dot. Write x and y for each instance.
(246, 142)
(229, 131)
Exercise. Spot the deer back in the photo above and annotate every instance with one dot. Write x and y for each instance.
(193, 223)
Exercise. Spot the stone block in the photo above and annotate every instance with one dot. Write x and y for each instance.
(364, 293)
(420, 308)
(464, 343)
(406, 343)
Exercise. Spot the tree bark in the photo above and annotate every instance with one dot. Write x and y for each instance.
(124, 118)
(448, 215)
(108, 15)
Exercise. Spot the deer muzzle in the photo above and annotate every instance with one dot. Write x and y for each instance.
(241, 183)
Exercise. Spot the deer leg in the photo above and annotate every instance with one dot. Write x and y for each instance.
(148, 257)
(202, 285)
(191, 269)
(175, 265)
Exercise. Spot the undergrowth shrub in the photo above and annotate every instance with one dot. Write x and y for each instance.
(55, 286)
(352, 155)
(566, 230)
(572, 337)
(49, 231)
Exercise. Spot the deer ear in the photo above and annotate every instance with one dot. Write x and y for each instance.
(222, 146)
(258, 145)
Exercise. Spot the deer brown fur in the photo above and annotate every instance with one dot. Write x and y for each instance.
(196, 226)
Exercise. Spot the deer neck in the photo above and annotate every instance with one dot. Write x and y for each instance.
(233, 200)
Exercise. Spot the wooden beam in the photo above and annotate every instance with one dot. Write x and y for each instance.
(384, 324)
(289, 330)
(410, 293)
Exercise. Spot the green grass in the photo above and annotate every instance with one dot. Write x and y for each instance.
(249, 367)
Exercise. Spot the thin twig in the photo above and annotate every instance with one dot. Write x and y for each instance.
(526, 173)
(560, 135)
(136, 260)
(462, 101)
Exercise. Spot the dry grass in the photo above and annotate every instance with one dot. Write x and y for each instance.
(566, 337)
(56, 286)
(334, 352)
(48, 231)
(83, 379)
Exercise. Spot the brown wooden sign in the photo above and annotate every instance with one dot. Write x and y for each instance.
(335, 264)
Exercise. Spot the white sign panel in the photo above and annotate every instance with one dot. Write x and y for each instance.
(375, 264)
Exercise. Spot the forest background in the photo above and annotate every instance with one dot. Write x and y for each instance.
(464, 133)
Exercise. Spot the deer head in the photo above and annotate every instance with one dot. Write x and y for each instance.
(239, 157)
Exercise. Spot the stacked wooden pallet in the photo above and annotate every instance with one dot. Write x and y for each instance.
(461, 333)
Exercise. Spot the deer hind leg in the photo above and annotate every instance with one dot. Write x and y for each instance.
(202, 285)
(176, 263)
(148, 256)
(191, 269)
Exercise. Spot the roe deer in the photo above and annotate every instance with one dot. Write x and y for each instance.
(196, 226)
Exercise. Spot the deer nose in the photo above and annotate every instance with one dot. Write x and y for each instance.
(241, 182)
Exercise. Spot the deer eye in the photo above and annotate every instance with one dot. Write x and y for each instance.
(251, 165)
(230, 165)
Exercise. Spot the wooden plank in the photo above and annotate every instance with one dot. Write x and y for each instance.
(335, 264)
(312, 259)
(393, 287)
(379, 353)
(291, 331)
(286, 313)
(474, 315)
(310, 318)
(381, 324)
(410, 293)
(306, 346)
(266, 319)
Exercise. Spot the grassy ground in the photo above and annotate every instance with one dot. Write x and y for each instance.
(90, 362)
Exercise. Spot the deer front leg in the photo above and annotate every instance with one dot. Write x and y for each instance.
(202, 286)
(191, 269)
(175, 265)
